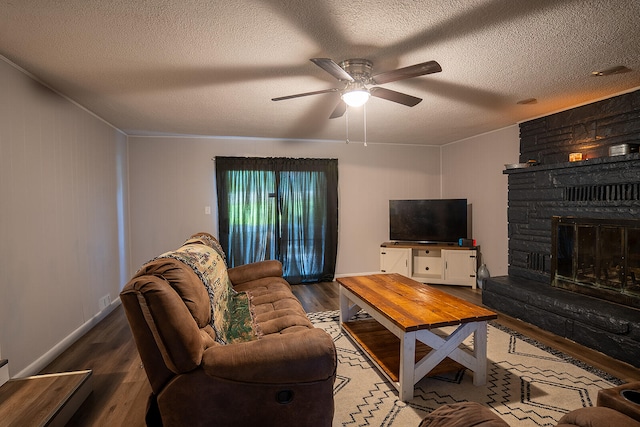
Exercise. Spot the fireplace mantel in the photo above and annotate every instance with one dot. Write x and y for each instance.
(589, 162)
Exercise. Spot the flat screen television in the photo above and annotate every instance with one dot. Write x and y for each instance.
(429, 221)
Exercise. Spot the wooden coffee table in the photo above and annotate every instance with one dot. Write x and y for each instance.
(401, 341)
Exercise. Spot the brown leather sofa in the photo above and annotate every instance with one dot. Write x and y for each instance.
(227, 347)
(467, 414)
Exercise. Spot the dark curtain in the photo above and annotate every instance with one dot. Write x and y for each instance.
(280, 208)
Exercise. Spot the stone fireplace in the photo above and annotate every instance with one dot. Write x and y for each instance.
(574, 228)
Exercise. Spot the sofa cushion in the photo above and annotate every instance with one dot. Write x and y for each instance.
(181, 279)
(275, 309)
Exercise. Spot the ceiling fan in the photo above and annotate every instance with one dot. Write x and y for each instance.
(359, 84)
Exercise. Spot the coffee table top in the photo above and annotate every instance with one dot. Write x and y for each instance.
(411, 305)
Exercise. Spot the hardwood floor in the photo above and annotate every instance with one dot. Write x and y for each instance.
(120, 387)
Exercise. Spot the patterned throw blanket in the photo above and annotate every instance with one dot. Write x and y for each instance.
(231, 317)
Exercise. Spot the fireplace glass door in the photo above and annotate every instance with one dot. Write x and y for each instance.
(597, 257)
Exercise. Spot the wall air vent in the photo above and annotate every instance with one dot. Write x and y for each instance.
(603, 193)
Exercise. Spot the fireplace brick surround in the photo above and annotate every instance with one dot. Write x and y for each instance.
(600, 186)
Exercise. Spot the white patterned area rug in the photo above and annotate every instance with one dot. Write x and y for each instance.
(528, 384)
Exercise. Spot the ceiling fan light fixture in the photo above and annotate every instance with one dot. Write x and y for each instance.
(356, 98)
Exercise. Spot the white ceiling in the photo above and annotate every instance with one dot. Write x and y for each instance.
(205, 67)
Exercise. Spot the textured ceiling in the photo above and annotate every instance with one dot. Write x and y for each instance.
(205, 67)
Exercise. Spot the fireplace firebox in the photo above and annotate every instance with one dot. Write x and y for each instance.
(597, 257)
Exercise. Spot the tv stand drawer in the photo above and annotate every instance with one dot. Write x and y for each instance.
(427, 265)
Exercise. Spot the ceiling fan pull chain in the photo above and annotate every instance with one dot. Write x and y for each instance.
(364, 113)
(346, 118)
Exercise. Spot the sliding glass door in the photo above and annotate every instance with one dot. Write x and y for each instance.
(278, 208)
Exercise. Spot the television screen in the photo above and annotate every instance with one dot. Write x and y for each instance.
(432, 221)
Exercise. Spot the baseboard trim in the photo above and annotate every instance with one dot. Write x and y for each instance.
(48, 357)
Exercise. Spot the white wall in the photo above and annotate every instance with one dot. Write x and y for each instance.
(472, 169)
(62, 228)
(172, 180)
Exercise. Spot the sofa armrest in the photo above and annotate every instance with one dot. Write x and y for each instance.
(255, 271)
(596, 416)
(304, 356)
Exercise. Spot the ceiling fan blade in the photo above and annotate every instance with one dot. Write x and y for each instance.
(392, 95)
(339, 110)
(332, 68)
(298, 95)
(408, 72)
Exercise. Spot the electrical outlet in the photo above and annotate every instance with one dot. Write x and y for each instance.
(104, 302)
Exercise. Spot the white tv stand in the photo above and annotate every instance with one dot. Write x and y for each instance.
(430, 263)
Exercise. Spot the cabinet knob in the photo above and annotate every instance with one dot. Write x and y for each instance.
(426, 251)
(426, 268)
